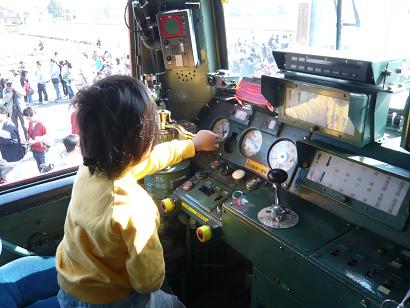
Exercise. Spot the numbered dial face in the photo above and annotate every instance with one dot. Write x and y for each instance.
(283, 155)
(251, 143)
(221, 128)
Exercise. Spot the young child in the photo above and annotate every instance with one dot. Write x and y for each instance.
(38, 139)
(71, 156)
(111, 253)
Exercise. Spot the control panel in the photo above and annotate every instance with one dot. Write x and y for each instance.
(301, 189)
(377, 72)
(177, 39)
(252, 139)
(371, 187)
(248, 193)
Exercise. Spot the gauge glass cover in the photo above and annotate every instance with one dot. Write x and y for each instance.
(283, 155)
(251, 143)
(221, 128)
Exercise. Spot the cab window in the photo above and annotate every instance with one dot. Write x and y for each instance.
(55, 49)
(366, 28)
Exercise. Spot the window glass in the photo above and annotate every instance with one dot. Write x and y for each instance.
(370, 29)
(50, 50)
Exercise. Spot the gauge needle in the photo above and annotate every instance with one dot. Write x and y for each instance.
(253, 145)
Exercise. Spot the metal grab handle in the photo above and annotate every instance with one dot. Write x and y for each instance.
(181, 130)
(16, 249)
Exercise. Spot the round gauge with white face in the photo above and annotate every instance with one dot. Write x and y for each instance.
(282, 155)
(221, 128)
(251, 142)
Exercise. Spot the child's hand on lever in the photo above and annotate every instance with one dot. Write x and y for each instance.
(205, 140)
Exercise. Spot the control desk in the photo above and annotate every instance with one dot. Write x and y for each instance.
(315, 202)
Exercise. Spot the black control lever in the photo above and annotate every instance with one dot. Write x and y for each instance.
(226, 170)
(277, 177)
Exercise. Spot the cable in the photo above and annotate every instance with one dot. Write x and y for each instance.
(145, 28)
(155, 56)
(125, 16)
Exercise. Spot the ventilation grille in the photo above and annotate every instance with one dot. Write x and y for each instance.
(186, 76)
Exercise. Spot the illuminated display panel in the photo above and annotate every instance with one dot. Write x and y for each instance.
(367, 185)
(328, 111)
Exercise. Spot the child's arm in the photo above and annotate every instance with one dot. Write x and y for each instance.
(164, 155)
(170, 153)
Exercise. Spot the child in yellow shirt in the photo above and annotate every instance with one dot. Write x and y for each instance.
(111, 255)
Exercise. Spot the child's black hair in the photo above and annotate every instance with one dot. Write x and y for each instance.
(28, 112)
(70, 142)
(118, 123)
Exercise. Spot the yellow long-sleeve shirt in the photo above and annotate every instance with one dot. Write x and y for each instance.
(111, 245)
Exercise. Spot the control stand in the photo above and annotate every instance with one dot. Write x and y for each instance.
(277, 216)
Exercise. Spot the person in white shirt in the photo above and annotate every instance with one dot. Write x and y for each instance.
(41, 83)
(55, 78)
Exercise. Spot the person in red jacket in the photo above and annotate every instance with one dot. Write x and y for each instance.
(74, 126)
(37, 138)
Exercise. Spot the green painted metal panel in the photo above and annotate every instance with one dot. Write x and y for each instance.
(314, 229)
(44, 223)
(187, 89)
(362, 258)
(270, 294)
(310, 284)
(161, 184)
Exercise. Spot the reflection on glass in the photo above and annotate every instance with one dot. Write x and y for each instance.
(55, 48)
(251, 143)
(317, 109)
(221, 128)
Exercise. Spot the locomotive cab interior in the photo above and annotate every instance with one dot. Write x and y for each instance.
(306, 202)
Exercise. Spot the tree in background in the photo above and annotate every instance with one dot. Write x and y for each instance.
(55, 8)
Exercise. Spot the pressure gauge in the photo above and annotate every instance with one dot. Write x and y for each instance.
(282, 155)
(251, 143)
(221, 128)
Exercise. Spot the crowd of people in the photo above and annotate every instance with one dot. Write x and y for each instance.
(252, 57)
(22, 133)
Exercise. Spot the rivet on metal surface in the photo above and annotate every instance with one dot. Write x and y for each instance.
(364, 303)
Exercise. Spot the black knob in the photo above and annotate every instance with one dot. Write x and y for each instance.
(226, 170)
(211, 81)
(277, 176)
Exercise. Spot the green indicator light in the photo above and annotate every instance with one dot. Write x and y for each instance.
(237, 194)
(171, 26)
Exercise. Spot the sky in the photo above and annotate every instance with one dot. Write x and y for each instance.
(22, 5)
